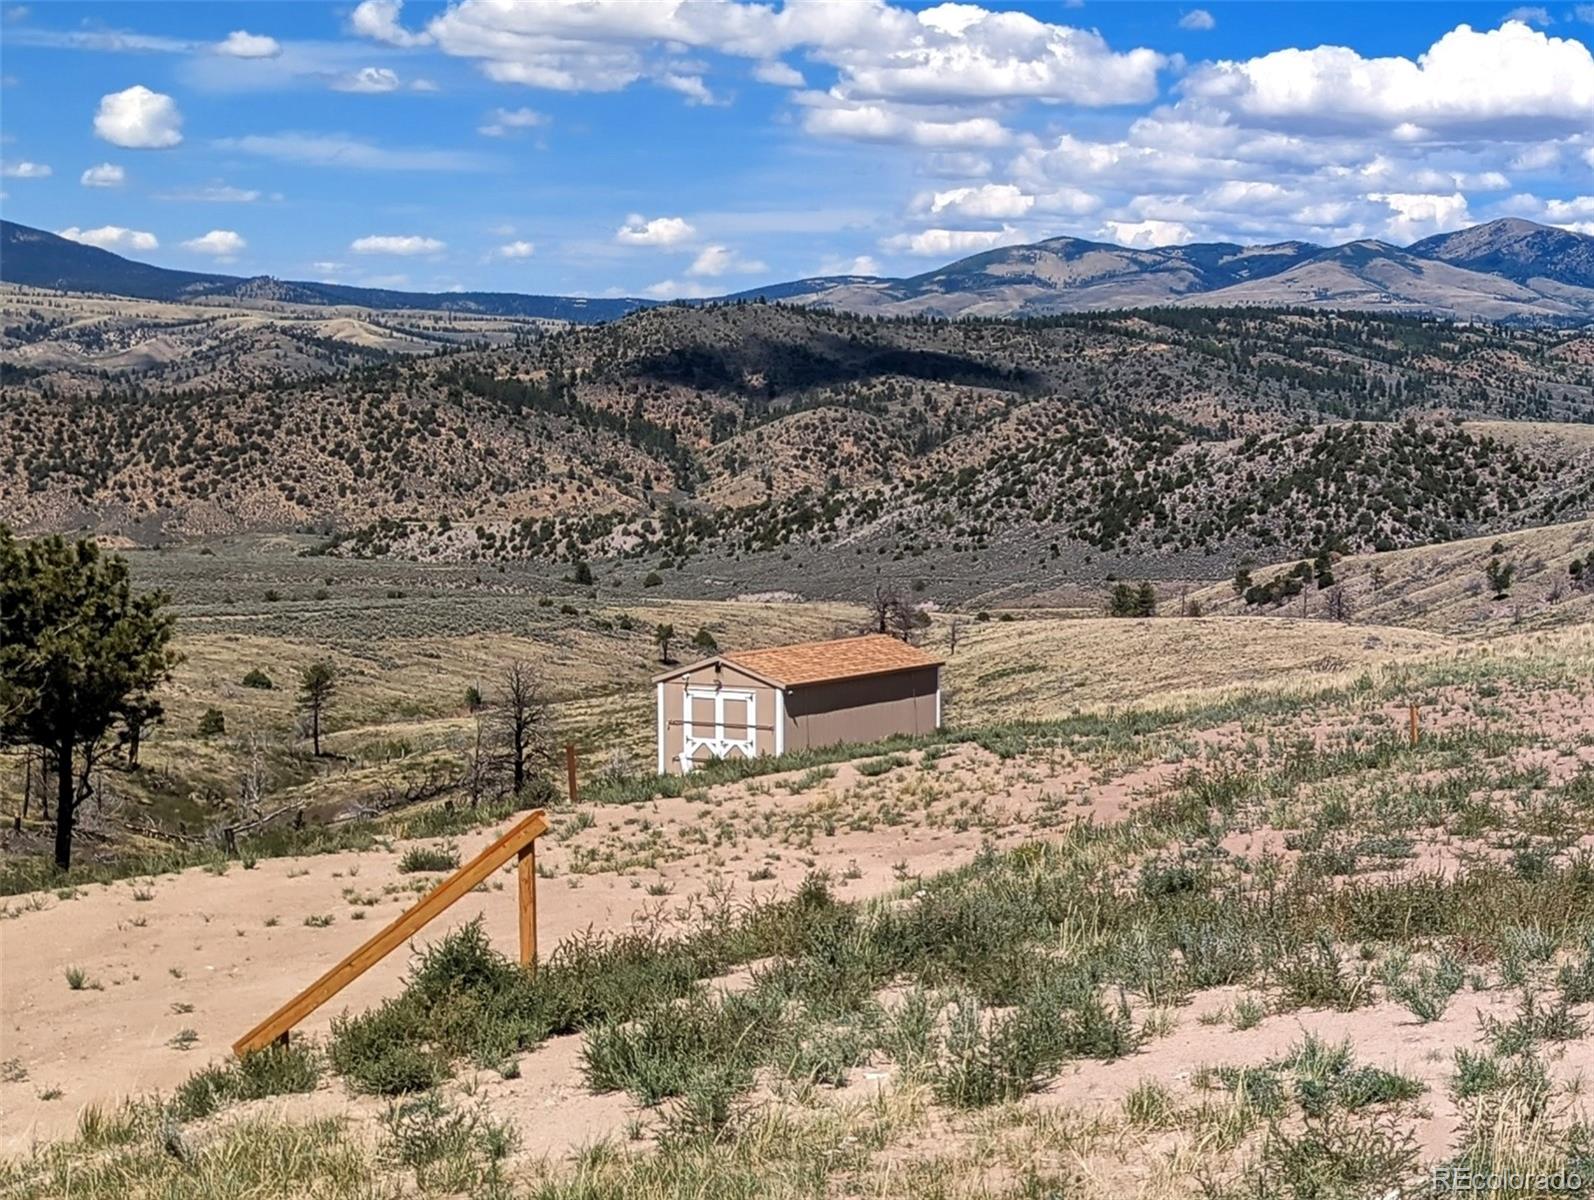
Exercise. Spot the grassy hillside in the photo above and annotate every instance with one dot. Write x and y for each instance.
(1446, 588)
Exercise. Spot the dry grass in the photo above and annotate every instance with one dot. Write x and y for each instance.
(1284, 764)
(1443, 588)
(1040, 668)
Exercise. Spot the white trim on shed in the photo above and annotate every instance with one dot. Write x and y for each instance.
(660, 690)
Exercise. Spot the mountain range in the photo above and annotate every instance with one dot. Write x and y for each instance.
(1506, 270)
(37, 258)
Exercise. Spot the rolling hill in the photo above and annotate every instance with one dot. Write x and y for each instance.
(1507, 270)
(776, 445)
(1503, 271)
(35, 258)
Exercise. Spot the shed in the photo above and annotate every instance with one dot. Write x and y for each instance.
(770, 701)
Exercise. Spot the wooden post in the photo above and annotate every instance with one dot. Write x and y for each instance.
(514, 842)
(570, 770)
(528, 906)
(1414, 726)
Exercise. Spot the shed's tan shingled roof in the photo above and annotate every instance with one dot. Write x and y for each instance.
(825, 662)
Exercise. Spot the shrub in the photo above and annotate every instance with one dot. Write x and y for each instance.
(984, 1063)
(879, 766)
(256, 678)
(451, 1150)
(1127, 600)
(668, 1049)
(1314, 976)
(276, 1070)
(428, 858)
(464, 999)
(212, 722)
(1426, 994)
(1500, 576)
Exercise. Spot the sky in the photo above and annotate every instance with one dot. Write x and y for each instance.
(673, 148)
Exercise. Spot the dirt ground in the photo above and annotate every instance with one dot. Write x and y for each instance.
(215, 954)
(174, 968)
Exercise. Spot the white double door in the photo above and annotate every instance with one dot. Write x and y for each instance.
(724, 721)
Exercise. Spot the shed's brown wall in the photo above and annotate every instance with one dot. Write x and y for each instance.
(861, 710)
(728, 677)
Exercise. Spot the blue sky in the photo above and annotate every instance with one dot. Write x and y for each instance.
(694, 147)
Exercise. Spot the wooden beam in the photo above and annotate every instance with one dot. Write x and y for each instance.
(459, 884)
(570, 771)
(528, 906)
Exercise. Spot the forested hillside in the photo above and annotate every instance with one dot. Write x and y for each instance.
(749, 428)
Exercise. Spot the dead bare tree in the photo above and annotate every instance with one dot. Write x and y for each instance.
(953, 633)
(481, 778)
(886, 598)
(252, 779)
(27, 784)
(1336, 603)
(522, 719)
(893, 612)
(138, 719)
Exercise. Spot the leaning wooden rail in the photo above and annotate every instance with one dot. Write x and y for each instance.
(521, 841)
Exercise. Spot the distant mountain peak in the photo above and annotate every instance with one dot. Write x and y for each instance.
(1521, 251)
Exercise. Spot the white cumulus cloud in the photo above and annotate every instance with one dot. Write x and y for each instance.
(401, 244)
(1142, 235)
(218, 243)
(678, 289)
(1416, 216)
(106, 175)
(722, 260)
(139, 119)
(862, 264)
(379, 20)
(690, 86)
(516, 249)
(26, 170)
(1573, 208)
(111, 237)
(242, 44)
(370, 81)
(660, 231)
(505, 121)
(1511, 77)
(947, 52)
(778, 74)
(889, 123)
(1198, 19)
(946, 243)
(991, 201)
